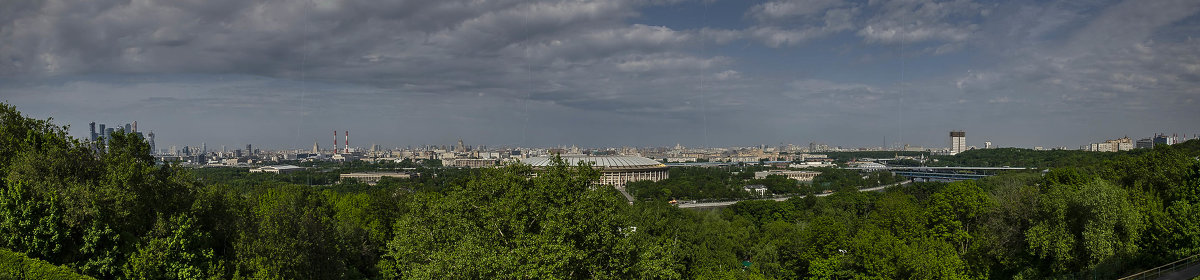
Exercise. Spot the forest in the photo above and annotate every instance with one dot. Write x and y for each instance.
(70, 209)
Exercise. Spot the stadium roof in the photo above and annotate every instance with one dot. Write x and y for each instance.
(618, 162)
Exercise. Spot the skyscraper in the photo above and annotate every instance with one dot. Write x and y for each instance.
(958, 142)
(152, 150)
(92, 128)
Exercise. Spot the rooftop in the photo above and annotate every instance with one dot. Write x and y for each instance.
(598, 161)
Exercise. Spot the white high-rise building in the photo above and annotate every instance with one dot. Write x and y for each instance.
(958, 142)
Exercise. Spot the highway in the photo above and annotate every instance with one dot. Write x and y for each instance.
(718, 204)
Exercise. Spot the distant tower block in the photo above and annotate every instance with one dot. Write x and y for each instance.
(987, 144)
(152, 149)
(958, 142)
(316, 147)
(93, 130)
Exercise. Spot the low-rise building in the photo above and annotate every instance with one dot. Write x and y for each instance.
(756, 189)
(277, 169)
(1145, 143)
(1120, 144)
(805, 164)
(798, 175)
(372, 178)
(473, 162)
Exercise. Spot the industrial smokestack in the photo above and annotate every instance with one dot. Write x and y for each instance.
(335, 146)
(347, 142)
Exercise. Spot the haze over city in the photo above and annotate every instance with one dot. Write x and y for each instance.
(282, 74)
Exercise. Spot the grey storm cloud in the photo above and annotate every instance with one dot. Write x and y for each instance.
(489, 64)
(568, 50)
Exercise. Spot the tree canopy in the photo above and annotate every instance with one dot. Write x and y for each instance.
(72, 209)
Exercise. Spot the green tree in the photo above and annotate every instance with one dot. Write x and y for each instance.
(503, 225)
(1084, 228)
(290, 234)
(176, 249)
(954, 212)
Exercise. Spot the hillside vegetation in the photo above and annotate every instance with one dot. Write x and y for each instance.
(114, 213)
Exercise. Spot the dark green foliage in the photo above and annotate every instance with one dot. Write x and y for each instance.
(501, 225)
(836, 179)
(694, 183)
(779, 184)
(17, 266)
(1017, 157)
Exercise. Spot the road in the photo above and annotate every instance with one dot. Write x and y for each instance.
(1183, 274)
(727, 203)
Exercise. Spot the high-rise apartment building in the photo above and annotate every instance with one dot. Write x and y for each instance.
(958, 142)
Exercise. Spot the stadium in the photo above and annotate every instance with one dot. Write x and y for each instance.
(614, 170)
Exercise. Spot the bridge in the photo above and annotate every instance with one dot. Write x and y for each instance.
(942, 173)
(718, 204)
(1183, 269)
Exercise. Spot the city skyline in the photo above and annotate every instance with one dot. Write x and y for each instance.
(608, 73)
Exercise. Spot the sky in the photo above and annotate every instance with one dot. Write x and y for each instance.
(282, 74)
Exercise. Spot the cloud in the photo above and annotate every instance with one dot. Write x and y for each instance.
(851, 96)
(947, 25)
(790, 23)
(465, 65)
(455, 47)
(1109, 61)
(922, 20)
(786, 10)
